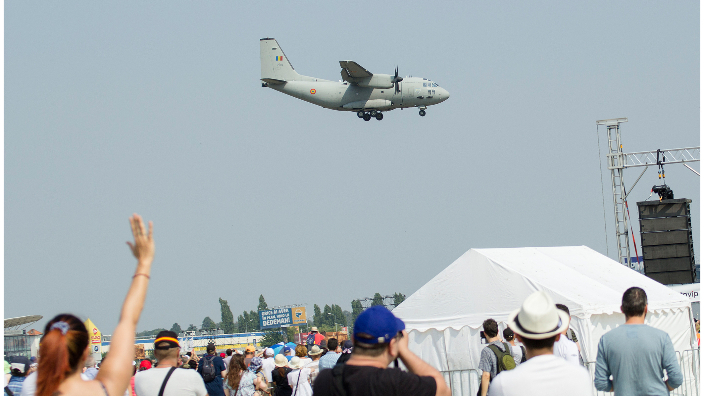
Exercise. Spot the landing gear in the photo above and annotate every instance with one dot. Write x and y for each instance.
(422, 113)
(368, 115)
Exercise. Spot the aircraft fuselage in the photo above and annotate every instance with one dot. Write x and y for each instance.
(343, 96)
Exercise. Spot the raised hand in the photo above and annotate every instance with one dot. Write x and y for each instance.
(143, 246)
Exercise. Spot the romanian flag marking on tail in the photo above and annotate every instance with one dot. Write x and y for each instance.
(279, 58)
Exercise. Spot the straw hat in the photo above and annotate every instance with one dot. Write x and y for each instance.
(295, 363)
(280, 361)
(315, 351)
(538, 318)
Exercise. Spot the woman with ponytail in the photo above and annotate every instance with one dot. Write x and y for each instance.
(65, 345)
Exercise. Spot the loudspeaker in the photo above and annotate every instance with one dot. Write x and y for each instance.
(666, 239)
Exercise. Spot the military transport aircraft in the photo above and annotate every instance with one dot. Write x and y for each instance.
(361, 91)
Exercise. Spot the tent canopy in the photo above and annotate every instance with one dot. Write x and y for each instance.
(490, 283)
(445, 315)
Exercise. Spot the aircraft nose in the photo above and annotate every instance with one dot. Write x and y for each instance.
(445, 94)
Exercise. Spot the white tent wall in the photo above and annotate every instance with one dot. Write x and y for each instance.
(445, 316)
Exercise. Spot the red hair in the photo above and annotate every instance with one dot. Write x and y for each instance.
(60, 353)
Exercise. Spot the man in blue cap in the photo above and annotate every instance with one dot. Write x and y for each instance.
(379, 339)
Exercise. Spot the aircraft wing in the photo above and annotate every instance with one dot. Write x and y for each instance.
(354, 70)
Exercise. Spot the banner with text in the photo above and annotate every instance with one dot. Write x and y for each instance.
(274, 318)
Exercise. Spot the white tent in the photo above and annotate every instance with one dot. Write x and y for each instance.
(444, 316)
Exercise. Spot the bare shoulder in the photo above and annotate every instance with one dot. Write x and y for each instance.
(81, 388)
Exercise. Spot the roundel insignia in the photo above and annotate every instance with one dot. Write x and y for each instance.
(95, 348)
(312, 91)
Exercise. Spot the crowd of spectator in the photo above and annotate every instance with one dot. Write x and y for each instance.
(534, 355)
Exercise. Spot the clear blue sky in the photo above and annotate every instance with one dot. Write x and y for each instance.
(157, 108)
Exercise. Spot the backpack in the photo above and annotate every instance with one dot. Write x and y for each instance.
(310, 340)
(208, 369)
(504, 360)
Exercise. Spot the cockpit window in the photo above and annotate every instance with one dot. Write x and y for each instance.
(435, 85)
(425, 84)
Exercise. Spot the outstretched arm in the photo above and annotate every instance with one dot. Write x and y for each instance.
(116, 371)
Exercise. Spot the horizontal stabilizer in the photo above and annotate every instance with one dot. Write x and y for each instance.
(273, 81)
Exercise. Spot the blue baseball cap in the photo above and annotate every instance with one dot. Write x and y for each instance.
(379, 323)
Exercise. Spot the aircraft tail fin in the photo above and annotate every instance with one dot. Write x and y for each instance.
(275, 64)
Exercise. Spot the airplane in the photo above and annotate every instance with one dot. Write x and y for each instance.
(368, 94)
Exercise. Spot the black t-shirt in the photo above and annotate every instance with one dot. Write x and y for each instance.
(282, 386)
(365, 380)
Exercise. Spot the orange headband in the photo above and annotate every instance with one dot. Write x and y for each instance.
(171, 339)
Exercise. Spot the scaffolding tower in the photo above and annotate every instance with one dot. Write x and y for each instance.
(617, 161)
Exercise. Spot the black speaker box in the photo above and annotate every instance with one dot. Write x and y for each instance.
(666, 239)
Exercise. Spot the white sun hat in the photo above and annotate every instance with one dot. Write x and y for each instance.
(538, 318)
(295, 363)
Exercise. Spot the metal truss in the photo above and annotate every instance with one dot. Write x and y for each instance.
(647, 158)
(617, 161)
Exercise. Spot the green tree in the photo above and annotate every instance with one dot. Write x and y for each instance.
(356, 309)
(228, 321)
(150, 333)
(271, 337)
(192, 327)
(398, 299)
(377, 300)
(208, 323)
(262, 303)
(328, 319)
(349, 319)
(241, 323)
(176, 328)
(253, 321)
(338, 316)
(317, 316)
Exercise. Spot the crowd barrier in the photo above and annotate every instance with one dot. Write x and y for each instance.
(466, 382)
(463, 382)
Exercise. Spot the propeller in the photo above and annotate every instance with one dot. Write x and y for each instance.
(397, 80)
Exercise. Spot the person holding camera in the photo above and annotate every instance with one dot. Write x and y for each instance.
(379, 339)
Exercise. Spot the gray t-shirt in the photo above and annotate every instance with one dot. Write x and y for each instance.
(636, 355)
(183, 382)
(487, 360)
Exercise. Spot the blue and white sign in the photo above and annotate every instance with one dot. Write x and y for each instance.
(275, 318)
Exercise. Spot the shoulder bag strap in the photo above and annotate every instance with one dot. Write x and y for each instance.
(499, 354)
(508, 349)
(166, 379)
(9, 392)
(298, 381)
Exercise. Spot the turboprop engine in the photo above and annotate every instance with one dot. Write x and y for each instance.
(373, 81)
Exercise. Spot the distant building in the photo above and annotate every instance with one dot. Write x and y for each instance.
(18, 340)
